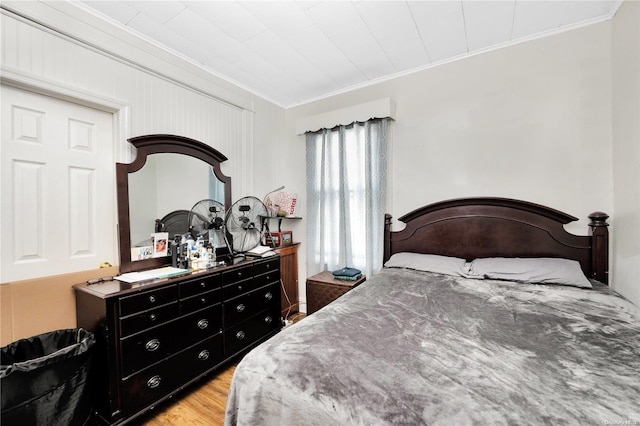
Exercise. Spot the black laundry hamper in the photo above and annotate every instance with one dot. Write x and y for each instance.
(44, 379)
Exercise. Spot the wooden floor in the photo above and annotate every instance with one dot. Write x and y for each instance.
(204, 404)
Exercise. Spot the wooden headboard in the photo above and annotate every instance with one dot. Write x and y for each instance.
(472, 228)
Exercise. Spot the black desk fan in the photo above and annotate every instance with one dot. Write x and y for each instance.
(206, 219)
(244, 224)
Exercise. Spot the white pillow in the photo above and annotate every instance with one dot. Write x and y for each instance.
(427, 262)
(540, 270)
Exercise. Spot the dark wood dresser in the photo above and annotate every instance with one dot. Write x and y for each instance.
(157, 337)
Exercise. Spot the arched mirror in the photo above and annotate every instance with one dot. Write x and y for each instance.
(157, 190)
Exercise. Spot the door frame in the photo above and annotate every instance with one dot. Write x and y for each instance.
(120, 110)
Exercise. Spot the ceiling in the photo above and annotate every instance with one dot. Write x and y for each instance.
(295, 52)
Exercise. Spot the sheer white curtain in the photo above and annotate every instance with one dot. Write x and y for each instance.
(346, 196)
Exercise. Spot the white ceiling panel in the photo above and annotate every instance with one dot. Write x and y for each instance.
(488, 23)
(291, 52)
(238, 23)
(120, 11)
(209, 10)
(334, 16)
(160, 11)
(195, 28)
(282, 17)
(579, 11)
(165, 36)
(411, 54)
(441, 26)
(316, 47)
(533, 17)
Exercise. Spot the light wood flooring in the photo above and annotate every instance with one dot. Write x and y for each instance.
(203, 404)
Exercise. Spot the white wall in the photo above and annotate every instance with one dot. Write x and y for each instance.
(531, 121)
(626, 149)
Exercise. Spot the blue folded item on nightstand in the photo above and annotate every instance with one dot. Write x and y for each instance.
(347, 272)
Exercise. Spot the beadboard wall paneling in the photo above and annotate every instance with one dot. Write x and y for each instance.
(156, 104)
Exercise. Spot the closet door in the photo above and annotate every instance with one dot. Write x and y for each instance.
(57, 208)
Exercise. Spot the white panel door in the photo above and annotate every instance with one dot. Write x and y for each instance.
(57, 210)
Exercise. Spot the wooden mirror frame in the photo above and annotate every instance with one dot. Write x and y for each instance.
(155, 144)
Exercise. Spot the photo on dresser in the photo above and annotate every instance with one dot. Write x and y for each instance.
(160, 243)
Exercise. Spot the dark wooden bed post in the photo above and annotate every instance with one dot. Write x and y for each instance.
(600, 246)
(387, 237)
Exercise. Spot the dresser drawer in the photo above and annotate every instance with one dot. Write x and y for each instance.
(200, 301)
(150, 346)
(250, 331)
(147, 300)
(201, 285)
(203, 356)
(238, 288)
(267, 278)
(200, 325)
(244, 306)
(151, 384)
(268, 266)
(143, 320)
(237, 274)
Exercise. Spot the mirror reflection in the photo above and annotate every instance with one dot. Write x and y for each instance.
(162, 193)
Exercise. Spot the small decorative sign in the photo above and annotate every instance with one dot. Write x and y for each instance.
(281, 204)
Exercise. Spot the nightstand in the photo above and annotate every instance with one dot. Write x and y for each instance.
(323, 289)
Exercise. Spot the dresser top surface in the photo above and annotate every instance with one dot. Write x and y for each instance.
(112, 287)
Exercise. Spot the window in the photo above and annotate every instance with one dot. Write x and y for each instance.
(346, 196)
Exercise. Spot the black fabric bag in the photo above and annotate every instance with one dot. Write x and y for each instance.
(44, 379)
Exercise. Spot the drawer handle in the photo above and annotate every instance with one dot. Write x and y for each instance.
(268, 295)
(204, 355)
(203, 284)
(203, 323)
(152, 299)
(268, 266)
(239, 274)
(268, 320)
(153, 317)
(240, 335)
(152, 345)
(203, 300)
(239, 288)
(268, 277)
(241, 307)
(154, 382)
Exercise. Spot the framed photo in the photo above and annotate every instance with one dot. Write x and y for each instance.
(277, 239)
(287, 238)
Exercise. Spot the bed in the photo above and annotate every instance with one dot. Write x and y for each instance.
(471, 321)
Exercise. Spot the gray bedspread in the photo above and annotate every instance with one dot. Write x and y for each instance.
(410, 348)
